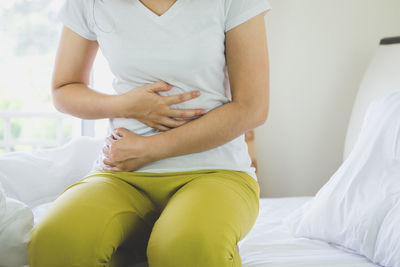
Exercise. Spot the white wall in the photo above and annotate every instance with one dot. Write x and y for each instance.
(319, 50)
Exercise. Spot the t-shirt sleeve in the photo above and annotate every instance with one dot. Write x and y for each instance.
(239, 11)
(74, 14)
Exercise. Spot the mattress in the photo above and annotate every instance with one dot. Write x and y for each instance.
(269, 243)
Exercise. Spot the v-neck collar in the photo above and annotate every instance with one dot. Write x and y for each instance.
(166, 15)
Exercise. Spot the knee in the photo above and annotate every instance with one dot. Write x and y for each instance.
(52, 244)
(191, 248)
(42, 243)
(60, 243)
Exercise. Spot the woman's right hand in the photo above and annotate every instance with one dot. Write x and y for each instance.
(145, 105)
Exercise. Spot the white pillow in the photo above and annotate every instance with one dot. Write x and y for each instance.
(359, 207)
(40, 176)
(16, 221)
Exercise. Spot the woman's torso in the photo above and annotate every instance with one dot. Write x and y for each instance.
(184, 47)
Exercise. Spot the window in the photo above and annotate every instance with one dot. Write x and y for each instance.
(29, 34)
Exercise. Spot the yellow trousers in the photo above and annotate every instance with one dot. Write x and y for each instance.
(174, 219)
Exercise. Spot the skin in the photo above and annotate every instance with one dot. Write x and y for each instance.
(248, 69)
(72, 95)
(157, 6)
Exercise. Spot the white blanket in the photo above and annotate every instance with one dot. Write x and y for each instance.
(16, 220)
(33, 178)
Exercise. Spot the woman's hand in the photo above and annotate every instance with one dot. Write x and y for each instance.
(129, 153)
(145, 105)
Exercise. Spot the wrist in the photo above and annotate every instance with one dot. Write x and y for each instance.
(119, 107)
(156, 147)
(115, 106)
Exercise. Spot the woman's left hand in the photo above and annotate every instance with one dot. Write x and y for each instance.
(128, 153)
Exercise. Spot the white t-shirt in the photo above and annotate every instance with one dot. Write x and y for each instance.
(184, 47)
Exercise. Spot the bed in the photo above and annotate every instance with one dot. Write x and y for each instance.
(269, 243)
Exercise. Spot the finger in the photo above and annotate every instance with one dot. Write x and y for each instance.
(110, 169)
(171, 123)
(185, 113)
(161, 127)
(121, 132)
(105, 169)
(147, 122)
(176, 99)
(160, 86)
(110, 140)
(155, 126)
(117, 167)
(107, 161)
(106, 150)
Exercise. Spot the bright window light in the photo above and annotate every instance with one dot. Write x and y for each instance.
(102, 81)
(29, 35)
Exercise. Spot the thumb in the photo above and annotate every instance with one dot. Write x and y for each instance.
(160, 86)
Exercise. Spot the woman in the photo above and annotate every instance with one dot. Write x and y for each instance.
(173, 184)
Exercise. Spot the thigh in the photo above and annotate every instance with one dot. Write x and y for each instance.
(86, 224)
(204, 220)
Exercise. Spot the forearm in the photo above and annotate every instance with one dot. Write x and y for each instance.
(213, 129)
(80, 101)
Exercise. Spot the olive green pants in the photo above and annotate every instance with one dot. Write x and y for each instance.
(175, 219)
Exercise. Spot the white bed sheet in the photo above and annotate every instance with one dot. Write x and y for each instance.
(269, 244)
